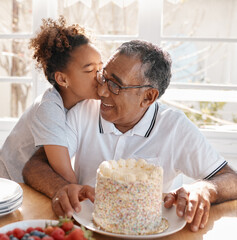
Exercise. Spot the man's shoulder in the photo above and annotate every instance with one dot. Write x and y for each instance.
(171, 117)
(170, 111)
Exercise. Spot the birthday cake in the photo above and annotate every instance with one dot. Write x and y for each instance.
(128, 197)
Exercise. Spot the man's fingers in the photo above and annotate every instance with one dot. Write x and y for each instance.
(169, 200)
(201, 216)
(197, 218)
(197, 211)
(181, 203)
(57, 207)
(65, 204)
(205, 217)
(87, 192)
(90, 194)
(191, 207)
(73, 197)
(67, 200)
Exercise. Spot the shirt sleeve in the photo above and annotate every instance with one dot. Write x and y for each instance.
(196, 157)
(48, 125)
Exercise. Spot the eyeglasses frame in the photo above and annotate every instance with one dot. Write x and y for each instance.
(100, 74)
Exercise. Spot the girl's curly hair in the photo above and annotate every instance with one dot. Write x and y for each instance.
(53, 45)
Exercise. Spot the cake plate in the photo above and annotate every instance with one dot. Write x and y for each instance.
(84, 217)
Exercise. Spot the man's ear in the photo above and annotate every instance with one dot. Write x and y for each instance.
(61, 79)
(150, 96)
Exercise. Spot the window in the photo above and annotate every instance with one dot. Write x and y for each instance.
(204, 52)
(200, 36)
(19, 82)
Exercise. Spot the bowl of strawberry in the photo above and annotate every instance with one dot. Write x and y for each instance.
(41, 229)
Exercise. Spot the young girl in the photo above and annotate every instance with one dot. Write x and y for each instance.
(69, 62)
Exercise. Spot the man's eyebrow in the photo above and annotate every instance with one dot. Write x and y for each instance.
(117, 79)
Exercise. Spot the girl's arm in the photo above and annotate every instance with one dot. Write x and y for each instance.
(59, 160)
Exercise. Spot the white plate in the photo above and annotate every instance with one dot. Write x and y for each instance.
(13, 207)
(10, 210)
(9, 204)
(85, 218)
(10, 190)
(27, 223)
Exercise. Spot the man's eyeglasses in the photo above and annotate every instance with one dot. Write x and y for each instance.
(112, 86)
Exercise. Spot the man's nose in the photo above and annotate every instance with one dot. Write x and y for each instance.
(103, 90)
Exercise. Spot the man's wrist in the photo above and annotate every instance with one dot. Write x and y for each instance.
(58, 185)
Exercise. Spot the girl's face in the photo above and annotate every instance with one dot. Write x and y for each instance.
(81, 73)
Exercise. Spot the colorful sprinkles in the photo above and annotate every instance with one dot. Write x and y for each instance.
(129, 205)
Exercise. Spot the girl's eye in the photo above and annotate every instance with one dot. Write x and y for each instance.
(89, 71)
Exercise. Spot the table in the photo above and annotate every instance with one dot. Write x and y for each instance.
(222, 222)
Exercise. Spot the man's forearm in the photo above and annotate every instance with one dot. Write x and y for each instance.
(224, 184)
(38, 174)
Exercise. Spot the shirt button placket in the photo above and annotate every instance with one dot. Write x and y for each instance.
(120, 147)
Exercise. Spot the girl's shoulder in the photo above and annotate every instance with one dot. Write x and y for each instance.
(50, 95)
(49, 102)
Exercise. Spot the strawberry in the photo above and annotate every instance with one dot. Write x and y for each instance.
(18, 233)
(9, 233)
(4, 237)
(48, 230)
(29, 229)
(76, 234)
(39, 229)
(58, 234)
(67, 226)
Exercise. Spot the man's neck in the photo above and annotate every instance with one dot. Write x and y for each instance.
(127, 127)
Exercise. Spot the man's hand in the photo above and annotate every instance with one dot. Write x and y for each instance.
(192, 202)
(67, 199)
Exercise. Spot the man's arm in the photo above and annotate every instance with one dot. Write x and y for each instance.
(193, 201)
(66, 197)
(225, 183)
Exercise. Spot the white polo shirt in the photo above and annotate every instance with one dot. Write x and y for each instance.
(164, 136)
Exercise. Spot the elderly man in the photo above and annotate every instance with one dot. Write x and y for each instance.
(129, 122)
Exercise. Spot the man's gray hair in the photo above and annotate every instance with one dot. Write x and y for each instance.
(156, 63)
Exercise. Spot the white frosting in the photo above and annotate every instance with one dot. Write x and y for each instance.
(121, 162)
(130, 163)
(113, 164)
(141, 163)
(116, 175)
(130, 170)
(105, 168)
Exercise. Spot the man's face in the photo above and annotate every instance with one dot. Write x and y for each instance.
(125, 109)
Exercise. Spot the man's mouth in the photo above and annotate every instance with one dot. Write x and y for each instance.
(107, 105)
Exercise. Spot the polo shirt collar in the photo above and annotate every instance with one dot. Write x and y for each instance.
(142, 128)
